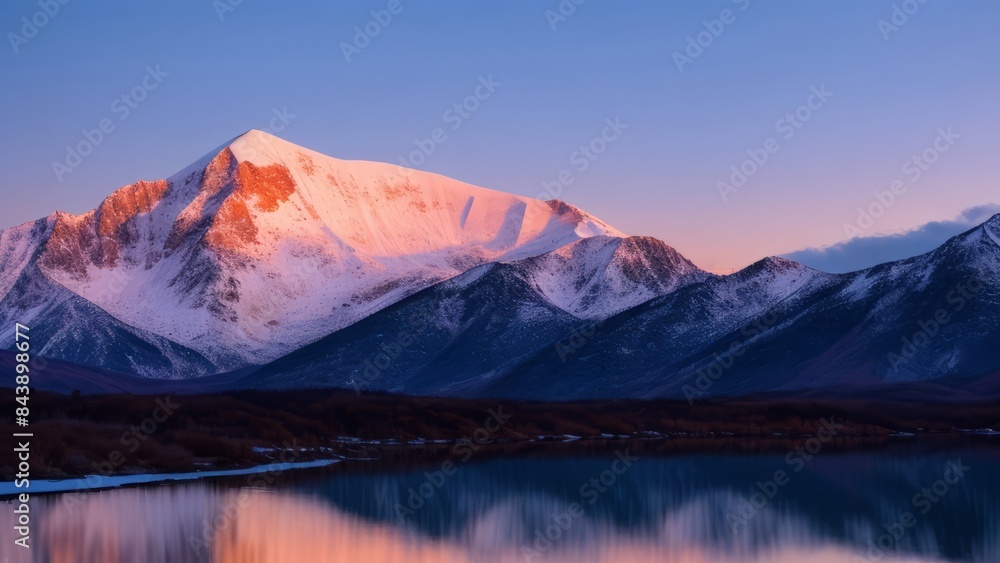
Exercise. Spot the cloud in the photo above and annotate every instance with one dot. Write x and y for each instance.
(864, 252)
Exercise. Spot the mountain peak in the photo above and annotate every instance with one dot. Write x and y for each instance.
(772, 267)
(263, 149)
(262, 237)
(598, 276)
(983, 236)
(777, 263)
(992, 228)
(659, 252)
(257, 134)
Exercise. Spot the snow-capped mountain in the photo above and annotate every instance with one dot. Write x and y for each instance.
(460, 335)
(598, 276)
(779, 326)
(265, 264)
(775, 326)
(263, 246)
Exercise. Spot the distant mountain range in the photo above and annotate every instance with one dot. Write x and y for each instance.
(268, 265)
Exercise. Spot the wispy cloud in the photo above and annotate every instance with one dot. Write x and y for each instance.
(864, 252)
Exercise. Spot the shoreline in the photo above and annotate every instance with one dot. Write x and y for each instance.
(106, 482)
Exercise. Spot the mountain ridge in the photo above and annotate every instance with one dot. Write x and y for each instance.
(264, 246)
(266, 264)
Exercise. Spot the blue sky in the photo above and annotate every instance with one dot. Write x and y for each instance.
(229, 68)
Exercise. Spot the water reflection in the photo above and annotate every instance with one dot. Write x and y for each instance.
(839, 507)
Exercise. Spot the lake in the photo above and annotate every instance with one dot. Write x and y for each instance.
(917, 501)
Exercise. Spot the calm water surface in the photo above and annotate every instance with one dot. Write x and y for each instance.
(906, 504)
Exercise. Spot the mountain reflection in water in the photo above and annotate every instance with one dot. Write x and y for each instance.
(672, 509)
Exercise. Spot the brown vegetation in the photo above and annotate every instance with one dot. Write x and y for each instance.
(76, 435)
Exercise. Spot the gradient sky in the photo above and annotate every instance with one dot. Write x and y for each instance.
(686, 129)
